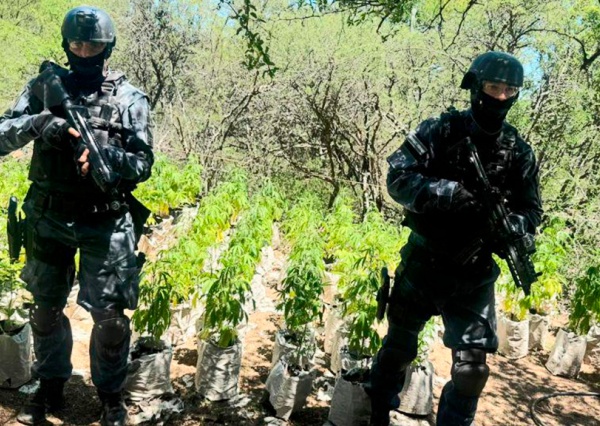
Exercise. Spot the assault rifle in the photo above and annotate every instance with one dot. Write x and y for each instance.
(50, 89)
(516, 249)
(14, 230)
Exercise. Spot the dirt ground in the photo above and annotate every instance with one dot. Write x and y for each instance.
(512, 386)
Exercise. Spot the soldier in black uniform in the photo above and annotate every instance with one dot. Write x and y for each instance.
(442, 272)
(67, 211)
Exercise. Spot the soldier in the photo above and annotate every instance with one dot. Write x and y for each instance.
(442, 272)
(67, 211)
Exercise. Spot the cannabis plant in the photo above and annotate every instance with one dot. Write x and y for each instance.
(227, 291)
(379, 246)
(14, 180)
(360, 304)
(217, 211)
(585, 302)
(171, 185)
(425, 340)
(157, 292)
(550, 257)
(302, 287)
(10, 284)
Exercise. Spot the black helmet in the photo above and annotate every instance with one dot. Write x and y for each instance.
(493, 66)
(87, 23)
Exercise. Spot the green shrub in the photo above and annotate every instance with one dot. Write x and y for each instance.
(227, 291)
(171, 185)
(585, 302)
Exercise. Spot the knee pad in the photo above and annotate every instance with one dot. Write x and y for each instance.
(470, 372)
(45, 320)
(111, 328)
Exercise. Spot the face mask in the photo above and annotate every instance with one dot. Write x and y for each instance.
(89, 68)
(489, 112)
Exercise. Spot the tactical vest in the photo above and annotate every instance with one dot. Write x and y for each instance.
(496, 152)
(56, 170)
(450, 162)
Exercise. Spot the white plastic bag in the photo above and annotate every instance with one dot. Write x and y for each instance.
(149, 374)
(15, 358)
(538, 331)
(567, 354)
(284, 347)
(288, 392)
(513, 338)
(416, 396)
(592, 352)
(218, 370)
(350, 404)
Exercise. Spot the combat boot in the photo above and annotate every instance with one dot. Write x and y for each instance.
(380, 418)
(48, 398)
(114, 410)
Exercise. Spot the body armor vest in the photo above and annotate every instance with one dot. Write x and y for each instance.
(55, 170)
(495, 151)
(450, 162)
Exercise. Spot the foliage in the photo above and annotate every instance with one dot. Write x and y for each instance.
(10, 284)
(176, 273)
(217, 211)
(340, 228)
(585, 302)
(13, 181)
(157, 292)
(227, 291)
(302, 287)
(425, 340)
(379, 246)
(30, 29)
(165, 33)
(550, 260)
(171, 185)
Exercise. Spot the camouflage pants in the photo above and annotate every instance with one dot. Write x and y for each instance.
(427, 287)
(108, 277)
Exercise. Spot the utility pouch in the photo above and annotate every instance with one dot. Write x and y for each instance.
(383, 294)
(15, 229)
(139, 215)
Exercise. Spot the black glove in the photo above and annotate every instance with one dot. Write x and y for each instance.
(53, 130)
(114, 156)
(518, 224)
(463, 201)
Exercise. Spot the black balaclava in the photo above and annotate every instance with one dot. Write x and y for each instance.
(91, 68)
(488, 112)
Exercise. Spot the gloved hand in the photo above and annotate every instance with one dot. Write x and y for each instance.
(463, 201)
(114, 156)
(51, 129)
(518, 224)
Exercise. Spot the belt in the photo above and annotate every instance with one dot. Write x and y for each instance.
(62, 203)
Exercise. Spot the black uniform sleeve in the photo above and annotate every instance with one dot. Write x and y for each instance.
(136, 159)
(16, 128)
(410, 180)
(525, 196)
